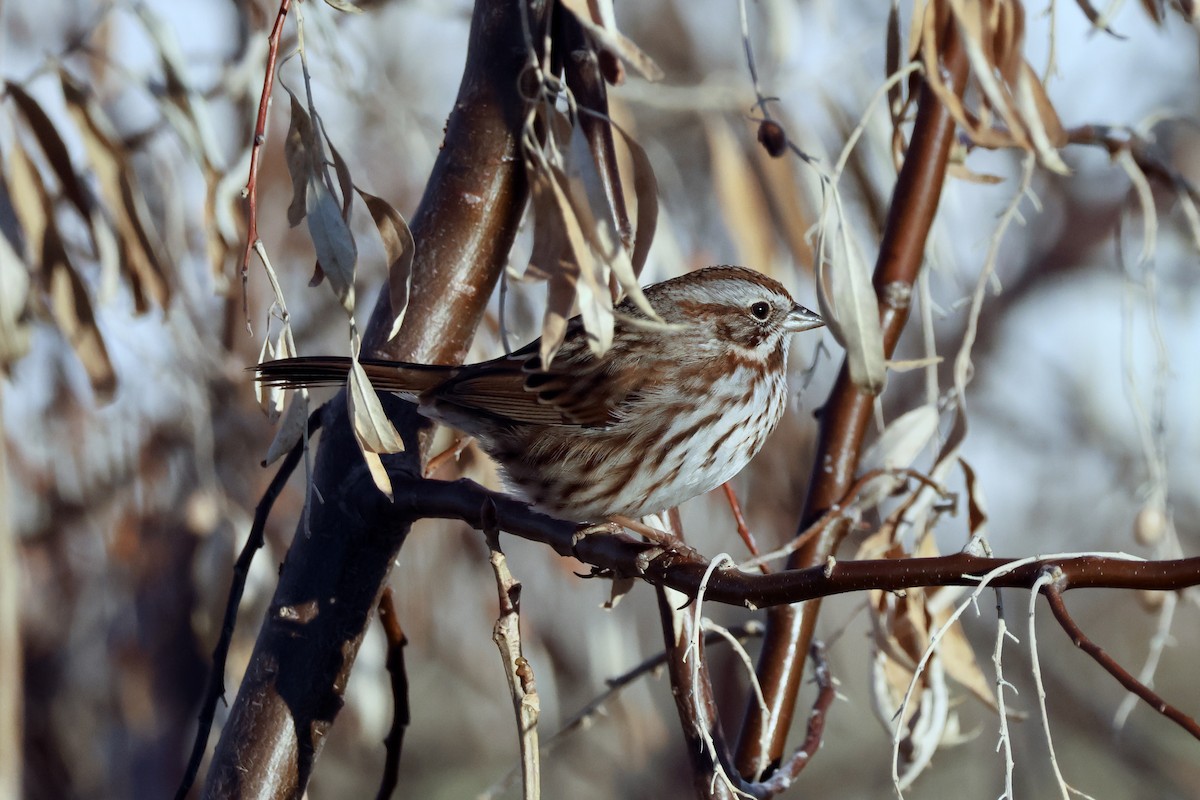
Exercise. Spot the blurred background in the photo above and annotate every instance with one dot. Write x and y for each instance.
(132, 437)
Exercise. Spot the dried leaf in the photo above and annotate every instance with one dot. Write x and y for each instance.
(187, 112)
(14, 306)
(72, 311)
(291, 431)
(976, 505)
(400, 248)
(28, 194)
(852, 313)
(592, 295)
(344, 5)
(299, 148)
(585, 189)
(896, 448)
(64, 292)
(331, 237)
(1041, 119)
(892, 59)
(959, 659)
(1155, 9)
(373, 431)
(645, 187)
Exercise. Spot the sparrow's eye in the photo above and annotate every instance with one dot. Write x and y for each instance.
(761, 310)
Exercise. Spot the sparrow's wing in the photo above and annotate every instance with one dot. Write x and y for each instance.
(578, 389)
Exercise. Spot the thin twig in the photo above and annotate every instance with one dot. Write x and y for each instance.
(584, 716)
(815, 735)
(215, 689)
(1080, 640)
(507, 635)
(742, 528)
(394, 743)
(250, 193)
(451, 453)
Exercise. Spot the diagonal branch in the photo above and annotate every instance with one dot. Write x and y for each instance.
(1080, 639)
(845, 416)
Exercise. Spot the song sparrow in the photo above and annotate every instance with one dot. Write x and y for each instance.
(663, 416)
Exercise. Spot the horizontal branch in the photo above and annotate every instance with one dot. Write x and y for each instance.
(684, 570)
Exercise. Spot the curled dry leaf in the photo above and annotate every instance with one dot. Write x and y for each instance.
(373, 431)
(298, 150)
(993, 36)
(896, 448)
(846, 297)
(400, 248)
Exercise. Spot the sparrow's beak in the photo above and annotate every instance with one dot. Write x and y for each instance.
(801, 319)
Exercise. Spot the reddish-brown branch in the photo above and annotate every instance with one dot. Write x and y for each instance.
(845, 416)
(1080, 639)
(394, 743)
(694, 700)
(250, 193)
(802, 755)
(742, 528)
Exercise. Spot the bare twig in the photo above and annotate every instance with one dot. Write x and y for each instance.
(584, 716)
(451, 453)
(742, 528)
(394, 743)
(250, 193)
(1081, 640)
(517, 669)
(802, 755)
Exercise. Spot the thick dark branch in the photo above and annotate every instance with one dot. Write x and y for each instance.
(331, 580)
(684, 571)
(215, 689)
(845, 417)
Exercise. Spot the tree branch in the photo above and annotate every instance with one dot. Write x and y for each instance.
(331, 580)
(845, 417)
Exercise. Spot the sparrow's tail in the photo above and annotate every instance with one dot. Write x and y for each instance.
(386, 376)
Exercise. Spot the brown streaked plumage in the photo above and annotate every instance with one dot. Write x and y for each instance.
(663, 416)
